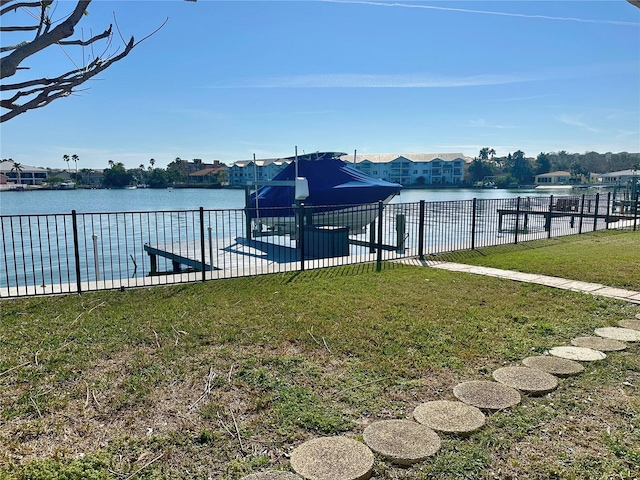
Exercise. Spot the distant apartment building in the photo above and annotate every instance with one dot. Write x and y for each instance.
(244, 172)
(406, 169)
(413, 168)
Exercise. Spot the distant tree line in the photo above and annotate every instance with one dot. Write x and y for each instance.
(176, 173)
(516, 168)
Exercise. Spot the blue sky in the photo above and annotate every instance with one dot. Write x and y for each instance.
(224, 80)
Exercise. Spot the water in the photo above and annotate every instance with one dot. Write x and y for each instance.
(43, 245)
(40, 202)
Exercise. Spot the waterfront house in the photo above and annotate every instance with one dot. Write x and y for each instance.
(27, 175)
(214, 173)
(553, 178)
(622, 177)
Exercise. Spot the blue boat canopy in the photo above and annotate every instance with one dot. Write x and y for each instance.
(332, 183)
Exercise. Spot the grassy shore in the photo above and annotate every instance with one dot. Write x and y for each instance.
(225, 378)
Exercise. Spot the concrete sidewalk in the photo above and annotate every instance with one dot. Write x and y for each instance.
(555, 282)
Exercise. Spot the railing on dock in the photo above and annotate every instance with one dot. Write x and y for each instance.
(79, 252)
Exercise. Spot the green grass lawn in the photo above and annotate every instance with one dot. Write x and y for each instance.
(607, 257)
(221, 379)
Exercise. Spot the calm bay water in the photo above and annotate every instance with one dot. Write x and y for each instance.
(39, 202)
(114, 227)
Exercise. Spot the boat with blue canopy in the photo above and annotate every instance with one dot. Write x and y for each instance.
(335, 192)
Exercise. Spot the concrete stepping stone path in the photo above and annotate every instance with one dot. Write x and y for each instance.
(450, 417)
(528, 380)
(405, 442)
(599, 343)
(487, 395)
(619, 333)
(560, 367)
(272, 476)
(401, 441)
(333, 458)
(578, 353)
(632, 324)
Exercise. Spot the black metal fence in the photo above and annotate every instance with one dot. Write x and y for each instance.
(78, 252)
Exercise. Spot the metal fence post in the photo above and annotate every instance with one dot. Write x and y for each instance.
(635, 209)
(300, 234)
(549, 216)
(96, 262)
(606, 216)
(421, 231)
(379, 252)
(247, 219)
(595, 213)
(76, 249)
(473, 224)
(517, 220)
(202, 259)
(581, 214)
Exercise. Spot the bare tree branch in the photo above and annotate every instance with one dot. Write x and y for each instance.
(64, 87)
(15, 6)
(10, 63)
(84, 43)
(22, 96)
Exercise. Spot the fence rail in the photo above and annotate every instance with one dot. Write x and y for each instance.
(78, 252)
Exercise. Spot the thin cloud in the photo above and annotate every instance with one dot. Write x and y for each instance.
(428, 80)
(576, 121)
(481, 122)
(519, 99)
(346, 80)
(486, 12)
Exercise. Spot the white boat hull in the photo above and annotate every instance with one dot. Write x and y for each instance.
(354, 217)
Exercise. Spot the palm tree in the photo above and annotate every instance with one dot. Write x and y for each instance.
(111, 163)
(152, 162)
(75, 159)
(17, 167)
(65, 158)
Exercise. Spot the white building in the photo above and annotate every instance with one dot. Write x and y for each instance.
(413, 168)
(621, 177)
(406, 169)
(243, 172)
(553, 178)
(24, 174)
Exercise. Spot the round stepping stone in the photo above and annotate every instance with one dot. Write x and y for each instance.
(527, 380)
(638, 316)
(487, 395)
(450, 417)
(401, 441)
(578, 353)
(599, 343)
(554, 365)
(271, 476)
(619, 333)
(333, 458)
(632, 324)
